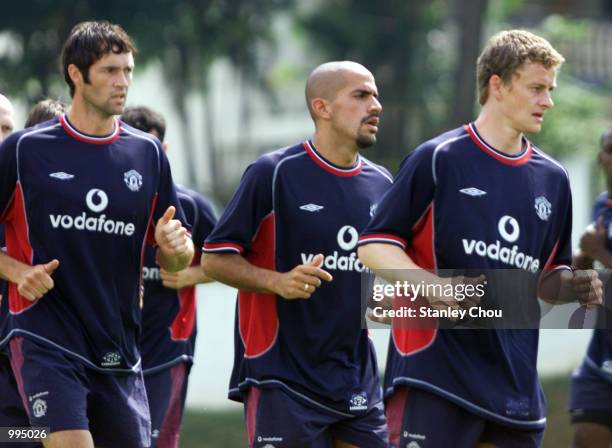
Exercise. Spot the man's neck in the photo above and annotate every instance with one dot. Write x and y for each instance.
(333, 149)
(498, 133)
(88, 121)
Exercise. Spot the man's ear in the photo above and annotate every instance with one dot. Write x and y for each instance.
(495, 86)
(320, 108)
(75, 75)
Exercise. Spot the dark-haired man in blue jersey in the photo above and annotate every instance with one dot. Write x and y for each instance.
(304, 366)
(169, 307)
(591, 391)
(80, 197)
(12, 412)
(477, 198)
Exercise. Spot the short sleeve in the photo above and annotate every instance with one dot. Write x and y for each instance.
(251, 203)
(405, 203)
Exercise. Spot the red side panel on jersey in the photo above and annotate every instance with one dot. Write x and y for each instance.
(18, 246)
(150, 237)
(395, 406)
(412, 337)
(421, 248)
(257, 311)
(184, 322)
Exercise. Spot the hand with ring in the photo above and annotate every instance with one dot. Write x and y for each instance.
(303, 280)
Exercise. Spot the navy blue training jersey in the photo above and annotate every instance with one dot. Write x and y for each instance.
(458, 203)
(169, 315)
(92, 203)
(598, 359)
(291, 205)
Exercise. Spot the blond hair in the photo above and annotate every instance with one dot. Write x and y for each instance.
(506, 52)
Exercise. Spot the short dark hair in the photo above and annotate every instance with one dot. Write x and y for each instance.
(45, 110)
(145, 119)
(90, 41)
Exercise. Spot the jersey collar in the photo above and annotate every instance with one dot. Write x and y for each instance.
(515, 160)
(86, 138)
(330, 167)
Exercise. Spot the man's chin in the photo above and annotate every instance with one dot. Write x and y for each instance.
(365, 141)
(117, 110)
(533, 128)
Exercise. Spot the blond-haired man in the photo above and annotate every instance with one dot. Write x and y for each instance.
(480, 198)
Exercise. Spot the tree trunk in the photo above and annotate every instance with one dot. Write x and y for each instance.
(215, 169)
(176, 71)
(469, 17)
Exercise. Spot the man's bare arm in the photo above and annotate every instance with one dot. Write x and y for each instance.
(394, 265)
(237, 271)
(191, 276)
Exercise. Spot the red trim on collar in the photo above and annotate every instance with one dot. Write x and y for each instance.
(508, 160)
(319, 160)
(74, 133)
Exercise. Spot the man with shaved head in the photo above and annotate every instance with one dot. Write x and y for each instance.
(7, 122)
(304, 366)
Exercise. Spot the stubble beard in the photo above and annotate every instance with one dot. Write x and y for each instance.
(105, 109)
(364, 141)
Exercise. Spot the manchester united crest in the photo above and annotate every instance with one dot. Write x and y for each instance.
(133, 180)
(543, 208)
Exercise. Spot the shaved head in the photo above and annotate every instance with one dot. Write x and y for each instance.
(7, 122)
(327, 79)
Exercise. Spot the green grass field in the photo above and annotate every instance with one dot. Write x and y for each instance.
(203, 429)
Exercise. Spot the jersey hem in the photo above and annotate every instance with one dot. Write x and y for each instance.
(187, 359)
(80, 358)
(467, 405)
(238, 394)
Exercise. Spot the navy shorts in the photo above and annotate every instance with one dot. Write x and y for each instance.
(62, 394)
(591, 398)
(166, 391)
(274, 418)
(12, 412)
(419, 418)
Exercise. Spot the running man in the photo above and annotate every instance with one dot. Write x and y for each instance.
(480, 185)
(80, 198)
(304, 365)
